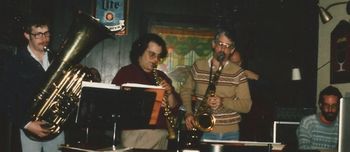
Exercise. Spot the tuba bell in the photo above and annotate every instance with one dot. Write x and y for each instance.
(59, 93)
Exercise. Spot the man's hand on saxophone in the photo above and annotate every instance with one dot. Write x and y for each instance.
(189, 119)
(169, 90)
(214, 102)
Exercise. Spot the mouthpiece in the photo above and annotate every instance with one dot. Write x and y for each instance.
(155, 66)
(220, 56)
(46, 49)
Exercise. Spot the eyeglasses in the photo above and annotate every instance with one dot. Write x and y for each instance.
(40, 35)
(328, 106)
(153, 55)
(224, 45)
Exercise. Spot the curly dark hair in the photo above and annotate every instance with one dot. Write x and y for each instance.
(140, 45)
(330, 90)
(36, 21)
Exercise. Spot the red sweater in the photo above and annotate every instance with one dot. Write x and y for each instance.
(134, 74)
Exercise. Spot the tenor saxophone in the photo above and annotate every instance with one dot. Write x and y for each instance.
(170, 119)
(203, 116)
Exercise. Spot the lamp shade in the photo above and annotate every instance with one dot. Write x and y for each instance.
(296, 74)
(325, 15)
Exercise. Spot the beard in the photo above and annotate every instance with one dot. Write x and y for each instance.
(330, 116)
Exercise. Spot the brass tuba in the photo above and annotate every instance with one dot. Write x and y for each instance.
(203, 118)
(60, 91)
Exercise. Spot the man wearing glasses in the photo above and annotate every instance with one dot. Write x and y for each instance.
(320, 131)
(146, 52)
(22, 77)
(230, 97)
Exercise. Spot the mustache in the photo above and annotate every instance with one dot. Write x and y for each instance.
(44, 43)
(330, 113)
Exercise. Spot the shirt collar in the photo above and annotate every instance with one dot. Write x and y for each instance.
(209, 62)
(45, 63)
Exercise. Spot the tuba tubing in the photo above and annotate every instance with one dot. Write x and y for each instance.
(59, 93)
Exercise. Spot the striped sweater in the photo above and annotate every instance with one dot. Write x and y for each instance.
(232, 87)
(313, 134)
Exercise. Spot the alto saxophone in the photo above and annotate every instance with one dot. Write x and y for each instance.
(170, 119)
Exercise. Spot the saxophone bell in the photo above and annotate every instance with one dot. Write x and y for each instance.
(204, 121)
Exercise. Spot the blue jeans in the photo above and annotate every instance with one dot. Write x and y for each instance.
(221, 136)
(29, 145)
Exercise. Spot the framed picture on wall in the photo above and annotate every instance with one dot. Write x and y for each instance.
(113, 14)
(185, 43)
(340, 53)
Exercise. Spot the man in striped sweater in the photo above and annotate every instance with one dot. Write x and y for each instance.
(227, 98)
(320, 131)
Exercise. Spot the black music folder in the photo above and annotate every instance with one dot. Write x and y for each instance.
(101, 105)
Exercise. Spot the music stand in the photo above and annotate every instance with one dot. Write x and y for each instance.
(102, 106)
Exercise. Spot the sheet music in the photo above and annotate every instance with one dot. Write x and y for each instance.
(138, 85)
(100, 85)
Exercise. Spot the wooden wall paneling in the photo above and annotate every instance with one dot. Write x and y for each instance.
(108, 55)
(94, 57)
(115, 52)
(115, 56)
